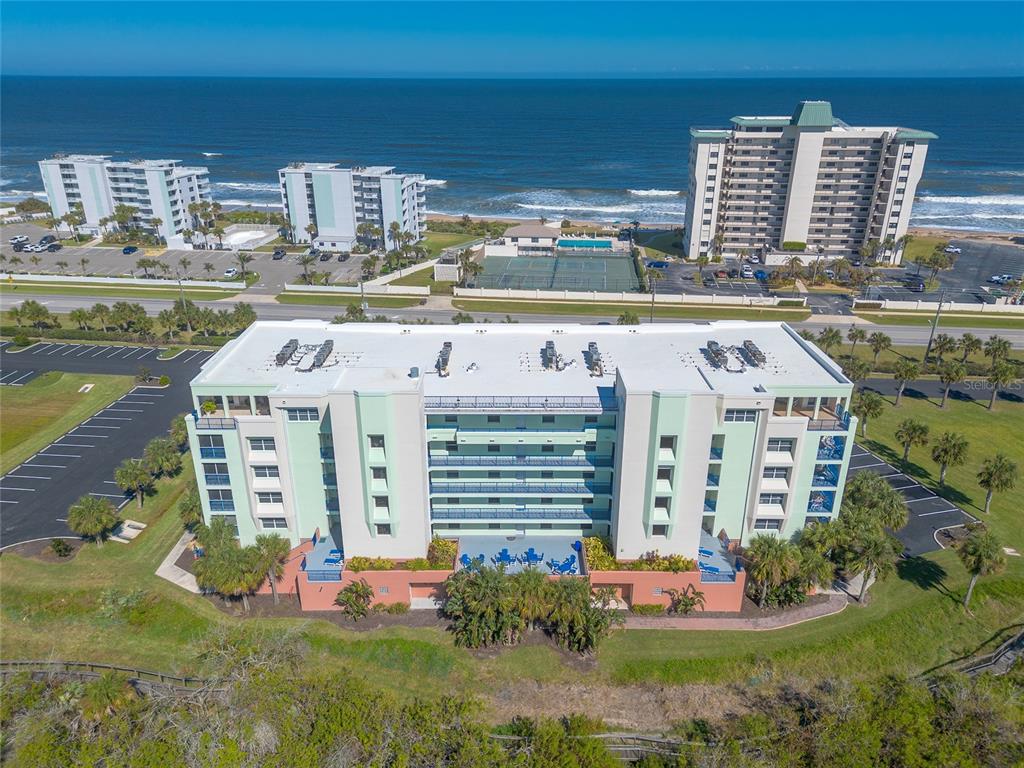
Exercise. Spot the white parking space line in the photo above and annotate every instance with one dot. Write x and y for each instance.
(73, 348)
(31, 477)
(99, 426)
(876, 464)
(7, 501)
(51, 466)
(136, 402)
(74, 445)
(62, 455)
(58, 348)
(111, 495)
(122, 410)
(112, 418)
(147, 394)
(939, 512)
(191, 356)
(12, 373)
(98, 351)
(20, 378)
(39, 349)
(115, 352)
(84, 350)
(110, 482)
(148, 352)
(91, 437)
(904, 487)
(12, 488)
(926, 498)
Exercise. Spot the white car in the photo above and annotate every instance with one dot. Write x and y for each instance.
(35, 248)
(18, 239)
(953, 249)
(230, 272)
(747, 272)
(1000, 279)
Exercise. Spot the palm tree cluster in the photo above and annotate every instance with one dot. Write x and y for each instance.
(488, 607)
(204, 222)
(186, 316)
(33, 314)
(236, 572)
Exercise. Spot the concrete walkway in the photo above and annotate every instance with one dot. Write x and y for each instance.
(178, 576)
(834, 604)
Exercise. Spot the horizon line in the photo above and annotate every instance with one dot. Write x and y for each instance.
(764, 75)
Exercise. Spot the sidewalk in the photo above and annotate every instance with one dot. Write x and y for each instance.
(178, 576)
(834, 604)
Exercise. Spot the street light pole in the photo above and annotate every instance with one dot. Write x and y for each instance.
(935, 324)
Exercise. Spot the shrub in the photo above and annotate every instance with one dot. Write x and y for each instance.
(794, 245)
(417, 564)
(354, 599)
(647, 609)
(21, 340)
(396, 609)
(165, 381)
(653, 561)
(115, 604)
(441, 552)
(357, 564)
(791, 302)
(685, 601)
(599, 555)
(61, 548)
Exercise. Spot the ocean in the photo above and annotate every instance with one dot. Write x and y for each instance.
(611, 150)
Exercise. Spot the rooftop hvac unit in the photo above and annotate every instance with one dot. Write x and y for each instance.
(286, 352)
(549, 356)
(717, 354)
(595, 364)
(443, 358)
(754, 352)
(322, 354)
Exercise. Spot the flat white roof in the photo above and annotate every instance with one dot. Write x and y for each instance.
(500, 359)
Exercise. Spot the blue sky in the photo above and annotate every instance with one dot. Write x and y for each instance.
(531, 39)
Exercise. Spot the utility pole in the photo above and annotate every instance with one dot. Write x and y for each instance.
(362, 295)
(935, 324)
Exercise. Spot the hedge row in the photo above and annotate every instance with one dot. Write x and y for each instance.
(84, 334)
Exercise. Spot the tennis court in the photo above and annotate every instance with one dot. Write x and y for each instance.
(572, 272)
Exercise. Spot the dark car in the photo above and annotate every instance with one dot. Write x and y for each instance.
(278, 254)
(18, 247)
(128, 250)
(760, 275)
(325, 256)
(54, 247)
(342, 257)
(917, 286)
(657, 264)
(47, 239)
(734, 273)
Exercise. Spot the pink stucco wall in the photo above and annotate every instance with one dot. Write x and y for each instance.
(388, 587)
(637, 587)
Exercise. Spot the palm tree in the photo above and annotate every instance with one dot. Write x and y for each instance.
(952, 372)
(79, 316)
(161, 457)
(793, 266)
(179, 431)
(532, 592)
(773, 561)
(208, 268)
(355, 598)
(184, 262)
(218, 232)
(997, 474)
(981, 555)
(875, 558)
(857, 370)
(92, 517)
(306, 260)
(132, 477)
(243, 260)
(969, 344)
(869, 496)
(829, 338)
(879, 342)
(702, 261)
(156, 222)
(101, 314)
(394, 236)
(36, 260)
(231, 571)
(866, 406)
(904, 372)
(909, 433)
(950, 450)
(85, 263)
(62, 266)
(997, 348)
(109, 694)
(1001, 375)
(944, 344)
(854, 335)
(272, 551)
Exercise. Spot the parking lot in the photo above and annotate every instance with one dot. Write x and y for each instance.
(35, 495)
(928, 512)
(111, 262)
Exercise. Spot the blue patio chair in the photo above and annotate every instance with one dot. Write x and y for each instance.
(532, 558)
(464, 561)
(709, 568)
(335, 553)
(503, 558)
(704, 552)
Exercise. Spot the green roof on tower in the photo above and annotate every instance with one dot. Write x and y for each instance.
(813, 114)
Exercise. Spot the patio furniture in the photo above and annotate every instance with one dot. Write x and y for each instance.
(532, 558)
(566, 567)
(709, 568)
(504, 558)
(704, 552)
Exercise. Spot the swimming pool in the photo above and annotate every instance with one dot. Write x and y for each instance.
(585, 243)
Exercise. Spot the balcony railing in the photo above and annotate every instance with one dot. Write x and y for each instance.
(323, 575)
(217, 479)
(710, 505)
(713, 479)
(828, 425)
(519, 461)
(206, 422)
(715, 454)
(492, 513)
(212, 453)
(221, 505)
(519, 403)
(825, 479)
(519, 489)
(327, 454)
(830, 454)
(553, 428)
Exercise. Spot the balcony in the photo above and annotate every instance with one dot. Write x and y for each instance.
(825, 476)
(519, 403)
(327, 454)
(715, 454)
(821, 502)
(831, 448)
(221, 505)
(520, 488)
(217, 479)
(713, 480)
(710, 506)
(496, 513)
(212, 453)
(216, 423)
(520, 461)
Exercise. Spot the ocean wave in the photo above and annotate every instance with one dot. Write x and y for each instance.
(212, 154)
(21, 194)
(258, 186)
(595, 208)
(434, 182)
(251, 203)
(962, 216)
(655, 192)
(1017, 200)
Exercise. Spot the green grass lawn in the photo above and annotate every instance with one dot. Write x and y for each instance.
(986, 320)
(425, 277)
(921, 245)
(343, 300)
(49, 405)
(436, 242)
(888, 358)
(643, 310)
(662, 244)
(106, 290)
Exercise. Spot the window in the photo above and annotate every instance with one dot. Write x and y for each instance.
(216, 474)
(221, 500)
(662, 502)
(767, 525)
(493, 475)
(231, 520)
(450, 419)
(742, 415)
(547, 475)
(780, 444)
(665, 473)
(493, 448)
(262, 405)
(379, 473)
(211, 441)
(266, 470)
(772, 498)
(547, 419)
(492, 419)
(376, 441)
(451, 447)
(383, 529)
(493, 500)
(667, 442)
(546, 500)
(659, 530)
(380, 502)
(269, 497)
(273, 522)
(303, 414)
(547, 449)
(261, 444)
(590, 419)
(451, 500)
(591, 446)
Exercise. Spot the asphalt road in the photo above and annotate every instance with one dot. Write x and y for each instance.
(900, 334)
(35, 496)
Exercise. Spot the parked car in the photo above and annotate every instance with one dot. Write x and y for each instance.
(721, 273)
(128, 250)
(830, 274)
(953, 249)
(1001, 279)
(754, 259)
(733, 272)
(54, 247)
(916, 286)
(230, 272)
(279, 254)
(19, 247)
(747, 272)
(760, 275)
(18, 239)
(35, 248)
(47, 239)
(325, 256)
(856, 262)
(343, 257)
(657, 264)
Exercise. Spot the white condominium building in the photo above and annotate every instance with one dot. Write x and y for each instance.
(810, 181)
(665, 436)
(325, 204)
(157, 190)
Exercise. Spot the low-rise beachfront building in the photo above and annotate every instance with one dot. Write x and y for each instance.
(324, 204)
(160, 191)
(372, 438)
(807, 184)
(541, 240)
